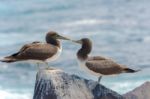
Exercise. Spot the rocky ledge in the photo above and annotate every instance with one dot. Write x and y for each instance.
(56, 84)
(142, 92)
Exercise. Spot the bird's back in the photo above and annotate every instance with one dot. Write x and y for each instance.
(103, 65)
(33, 51)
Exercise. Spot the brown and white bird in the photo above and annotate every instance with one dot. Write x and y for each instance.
(39, 52)
(98, 65)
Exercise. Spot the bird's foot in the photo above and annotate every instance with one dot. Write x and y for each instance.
(99, 79)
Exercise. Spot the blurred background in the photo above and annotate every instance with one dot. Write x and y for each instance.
(119, 29)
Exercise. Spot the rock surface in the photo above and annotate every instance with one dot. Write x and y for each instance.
(142, 92)
(55, 84)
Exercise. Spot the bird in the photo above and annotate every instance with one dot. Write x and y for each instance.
(39, 52)
(98, 65)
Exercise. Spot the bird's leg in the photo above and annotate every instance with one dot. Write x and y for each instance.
(99, 79)
(47, 67)
(38, 65)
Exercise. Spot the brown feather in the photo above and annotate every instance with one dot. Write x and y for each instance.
(37, 51)
(96, 58)
(33, 51)
(105, 67)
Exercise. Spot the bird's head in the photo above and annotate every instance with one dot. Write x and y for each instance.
(55, 35)
(86, 44)
(83, 41)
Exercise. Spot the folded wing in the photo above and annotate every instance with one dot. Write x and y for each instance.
(34, 51)
(104, 66)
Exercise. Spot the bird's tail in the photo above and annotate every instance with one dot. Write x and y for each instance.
(8, 59)
(128, 70)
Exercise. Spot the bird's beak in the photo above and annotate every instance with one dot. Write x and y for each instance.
(78, 41)
(63, 38)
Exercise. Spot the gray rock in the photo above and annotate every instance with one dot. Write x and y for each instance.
(55, 84)
(142, 92)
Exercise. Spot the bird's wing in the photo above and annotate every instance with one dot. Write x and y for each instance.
(36, 42)
(20, 51)
(28, 45)
(96, 58)
(104, 66)
(38, 51)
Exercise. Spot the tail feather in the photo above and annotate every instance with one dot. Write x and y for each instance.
(8, 59)
(128, 70)
(13, 55)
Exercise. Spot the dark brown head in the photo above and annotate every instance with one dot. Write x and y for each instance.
(85, 49)
(51, 37)
(55, 35)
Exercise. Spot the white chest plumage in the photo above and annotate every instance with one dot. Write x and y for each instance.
(53, 58)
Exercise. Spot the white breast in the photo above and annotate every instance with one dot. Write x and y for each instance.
(84, 67)
(54, 57)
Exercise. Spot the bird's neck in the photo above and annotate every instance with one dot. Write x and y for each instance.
(84, 52)
(54, 42)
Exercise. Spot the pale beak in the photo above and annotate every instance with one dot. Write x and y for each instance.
(78, 41)
(63, 38)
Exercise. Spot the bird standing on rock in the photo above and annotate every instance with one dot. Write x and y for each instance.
(98, 65)
(39, 51)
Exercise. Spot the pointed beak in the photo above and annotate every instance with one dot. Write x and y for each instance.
(78, 41)
(63, 38)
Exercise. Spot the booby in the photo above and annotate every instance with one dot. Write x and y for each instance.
(98, 65)
(39, 51)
